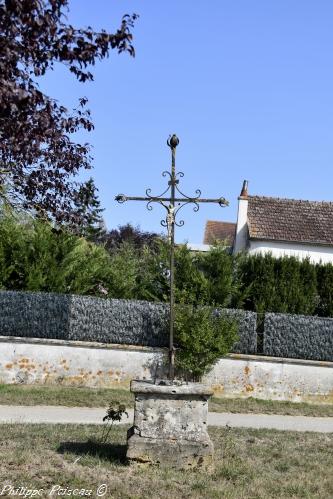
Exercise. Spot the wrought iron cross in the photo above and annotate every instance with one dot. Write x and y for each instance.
(173, 204)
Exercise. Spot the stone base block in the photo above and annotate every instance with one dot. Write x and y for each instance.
(170, 425)
(181, 454)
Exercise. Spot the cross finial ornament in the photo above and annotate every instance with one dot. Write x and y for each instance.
(172, 204)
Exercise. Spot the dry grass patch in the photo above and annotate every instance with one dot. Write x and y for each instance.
(248, 464)
(69, 396)
(257, 406)
(101, 397)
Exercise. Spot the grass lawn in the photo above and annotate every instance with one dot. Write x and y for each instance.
(248, 464)
(257, 406)
(62, 395)
(90, 397)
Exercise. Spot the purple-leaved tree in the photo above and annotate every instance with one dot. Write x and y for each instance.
(38, 157)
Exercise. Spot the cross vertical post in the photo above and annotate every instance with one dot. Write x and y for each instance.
(172, 143)
(173, 204)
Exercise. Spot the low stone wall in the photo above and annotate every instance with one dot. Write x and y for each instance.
(272, 378)
(36, 361)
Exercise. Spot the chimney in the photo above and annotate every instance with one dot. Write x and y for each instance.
(244, 193)
(241, 240)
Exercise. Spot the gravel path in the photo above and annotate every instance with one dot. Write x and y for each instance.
(86, 415)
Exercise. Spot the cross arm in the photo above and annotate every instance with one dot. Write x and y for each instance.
(220, 201)
(121, 198)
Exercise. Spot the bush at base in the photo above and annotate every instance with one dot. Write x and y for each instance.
(202, 336)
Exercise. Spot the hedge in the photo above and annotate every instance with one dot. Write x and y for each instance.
(298, 336)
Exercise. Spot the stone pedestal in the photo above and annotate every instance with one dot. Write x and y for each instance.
(170, 424)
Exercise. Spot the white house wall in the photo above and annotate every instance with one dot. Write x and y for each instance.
(316, 254)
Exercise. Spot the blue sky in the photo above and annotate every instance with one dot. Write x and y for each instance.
(247, 87)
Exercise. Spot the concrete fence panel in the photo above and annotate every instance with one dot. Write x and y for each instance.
(87, 318)
(298, 336)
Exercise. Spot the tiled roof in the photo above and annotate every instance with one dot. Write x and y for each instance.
(219, 231)
(290, 220)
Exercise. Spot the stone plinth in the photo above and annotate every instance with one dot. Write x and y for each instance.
(170, 424)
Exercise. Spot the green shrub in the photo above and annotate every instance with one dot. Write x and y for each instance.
(258, 282)
(285, 284)
(202, 336)
(34, 256)
(123, 269)
(325, 290)
(295, 286)
(191, 282)
(217, 266)
(152, 280)
(37, 256)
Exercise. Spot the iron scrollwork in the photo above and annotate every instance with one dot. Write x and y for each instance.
(173, 203)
